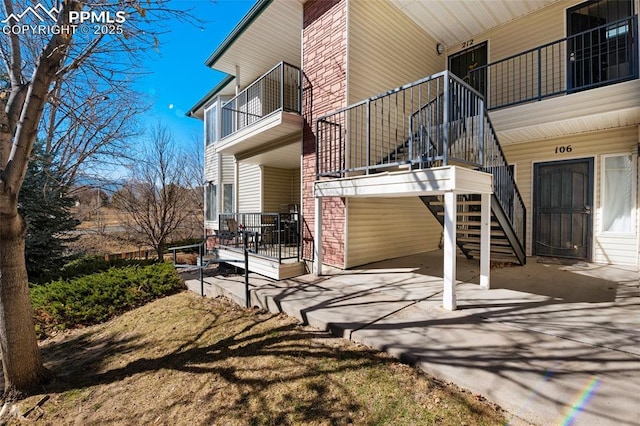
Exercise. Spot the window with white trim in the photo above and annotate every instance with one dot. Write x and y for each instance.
(211, 202)
(211, 125)
(618, 198)
(227, 195)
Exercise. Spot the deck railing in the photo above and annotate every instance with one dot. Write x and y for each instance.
(271, 235)
(596, 57)
(434, 121)
(279, 89)
(437, 121)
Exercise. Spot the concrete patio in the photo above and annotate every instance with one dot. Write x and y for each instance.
(551, 344)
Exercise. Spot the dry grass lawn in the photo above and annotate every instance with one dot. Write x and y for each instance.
(187, 360)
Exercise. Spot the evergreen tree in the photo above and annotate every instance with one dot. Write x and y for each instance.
(44, 204)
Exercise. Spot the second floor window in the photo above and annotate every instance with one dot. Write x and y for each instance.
(211, 125)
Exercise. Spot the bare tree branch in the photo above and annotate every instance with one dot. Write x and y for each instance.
(26, 128)
(160, 195)
(81, 78)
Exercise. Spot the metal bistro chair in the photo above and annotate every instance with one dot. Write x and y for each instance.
(268, 231)
(231, 233)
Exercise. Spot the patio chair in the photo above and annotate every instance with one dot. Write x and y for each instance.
(231, 233)
(268, 230)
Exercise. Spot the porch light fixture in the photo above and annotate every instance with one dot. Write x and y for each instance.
(440, 48)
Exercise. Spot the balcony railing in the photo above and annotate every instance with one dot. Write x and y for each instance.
(277, 90)
(600, 56)
(271, 235)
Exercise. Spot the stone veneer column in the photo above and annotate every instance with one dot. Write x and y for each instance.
(324, 60)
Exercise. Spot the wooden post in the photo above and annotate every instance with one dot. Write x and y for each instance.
(245, 242)
(317, 238)
(485, 240)
(449, 295)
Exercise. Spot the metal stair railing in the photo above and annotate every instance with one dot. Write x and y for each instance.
(507, 202)
(202, 262)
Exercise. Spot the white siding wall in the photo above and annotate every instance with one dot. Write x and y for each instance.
(210, 164)
(386, 50)
(386, 228)
(535, 29)
(228, 168)
(249, 188)
(618, 250)
(280, 187)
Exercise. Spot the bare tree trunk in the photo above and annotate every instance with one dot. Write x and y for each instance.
(20, 354)
(160, 251)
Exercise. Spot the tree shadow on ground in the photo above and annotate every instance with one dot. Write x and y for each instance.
(265, 368)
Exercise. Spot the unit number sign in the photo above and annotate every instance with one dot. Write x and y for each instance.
(563, 148)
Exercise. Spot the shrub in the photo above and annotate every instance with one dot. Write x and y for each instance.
(87, 265)
(185, 242)
(95, 298)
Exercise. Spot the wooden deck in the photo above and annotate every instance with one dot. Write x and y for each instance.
(268, 267)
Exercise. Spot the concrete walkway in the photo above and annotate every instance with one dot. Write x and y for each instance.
(551, 344)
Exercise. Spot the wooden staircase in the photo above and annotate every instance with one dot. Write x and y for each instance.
(505, 247)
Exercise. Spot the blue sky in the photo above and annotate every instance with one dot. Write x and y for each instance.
(179, 78)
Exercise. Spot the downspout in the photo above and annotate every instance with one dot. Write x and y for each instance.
(345, 245)
(636, 151)
(220, 161)
(236, 185)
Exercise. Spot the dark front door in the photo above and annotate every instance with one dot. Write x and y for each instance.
(465, 62)
(563, 195)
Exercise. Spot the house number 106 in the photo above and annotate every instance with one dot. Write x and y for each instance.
(563, 148)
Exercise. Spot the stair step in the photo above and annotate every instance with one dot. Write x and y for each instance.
(469, 214)
(496, 258)
(475, 223)
(477, 232)
(472, 247)
(494, 241)
(459, 203)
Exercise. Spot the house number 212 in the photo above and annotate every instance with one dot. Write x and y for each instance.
(563, 148)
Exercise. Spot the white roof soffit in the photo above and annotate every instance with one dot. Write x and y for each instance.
(451, 22)
(271, 37)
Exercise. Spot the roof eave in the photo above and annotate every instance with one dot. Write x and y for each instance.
(221, 85)
(247, 20)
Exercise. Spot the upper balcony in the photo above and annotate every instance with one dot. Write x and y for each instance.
(266, 110)
(601, 56)
(587, 80)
